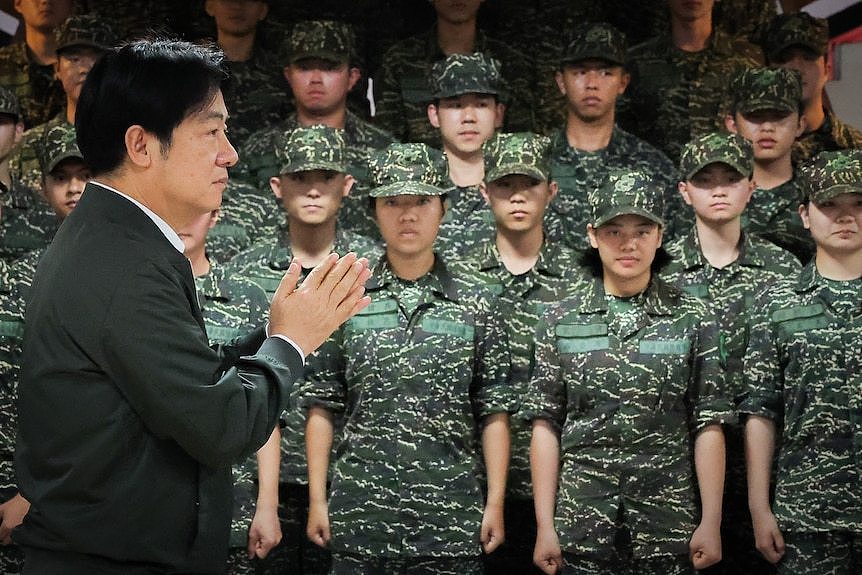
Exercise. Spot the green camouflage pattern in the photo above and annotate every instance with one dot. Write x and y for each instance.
(628, 383)
(28, 223)
(39, 94)
(773, 215)
(412, 168)
(831, 174)
(556, 275)
(794, 29)
(676, 95)
(59, 142)
(821, 552)
(132, 19)
(258, 163)
(312, 148)
(595, 41)
(402, 89)
(717, 147)
(246, 214)
(759, 89)
(414, 374)
(459, 74)
(467, 223)
(85, 30)
(324, 39)
(803, 370)
(9, 103)
(25, 162)
(350, 564)
(522, 153)
(577, 172)
(627, 192)
(621, 564)
(833, 134)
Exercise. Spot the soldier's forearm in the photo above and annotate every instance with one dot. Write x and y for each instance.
(495, 447)
(709, 458)
(759, 449)
(318, 443)
(544, 467)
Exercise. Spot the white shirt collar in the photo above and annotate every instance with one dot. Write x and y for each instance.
(163, 226)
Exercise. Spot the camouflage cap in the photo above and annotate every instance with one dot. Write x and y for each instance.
(627, 192)
(522, 153)
(794, 29)
(595, 41)
(324, 39)
(414, 169)
(313, 148)
(9, 103)
(730, 149)
(85, 30)
(831, 174)
(57, 144)
(757, 89)
(459, 74)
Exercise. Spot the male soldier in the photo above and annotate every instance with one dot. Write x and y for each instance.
(803, 372)
(320, 70)
(466, 109)
(27, 68)
(419, 379)
(11, 132)
(255, 89)
(679, 78)
(626, 401)
(401, 87)
(721, 264)
(591, 75)
(799, 41)
(311, 184)
(528, 272)
(766, 109)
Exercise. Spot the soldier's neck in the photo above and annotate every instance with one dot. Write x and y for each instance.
(691, 35)
(335, 119)
(410, 267)
(771, 174)
(456, 37)
(5, 174)
(236, 48)
(465, 169)
(589, 136)
(42, 46)
(841, 266)
(519, 250)
(719, 242)
(199, 261)
(71, 107)
(814, 114)
(311, 243)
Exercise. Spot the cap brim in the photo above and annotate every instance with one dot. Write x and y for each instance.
(624, 211)
(406, 188)
(320, 55)
(762, 105)
(834, 191)
(744, 170)
(60, 158)
(605, 56)
(515, 169)
(308, 166)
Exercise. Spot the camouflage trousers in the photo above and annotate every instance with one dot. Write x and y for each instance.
(11, 559)
(238, 562)
(618, 565)
(515, 555)
(350, 564)
(295, 554)
(831, 552)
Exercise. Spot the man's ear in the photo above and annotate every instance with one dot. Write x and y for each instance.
(275, 186)
(141, 146)
(730, 124)
(354, 75)
(591, 235)
(682, 188)
(349, 182)
(432, 115)
(803, 213)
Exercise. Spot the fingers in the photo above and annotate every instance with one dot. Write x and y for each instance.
(289, 280)
(321, 271)
(340, 285)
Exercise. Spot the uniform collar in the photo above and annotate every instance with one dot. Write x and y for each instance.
(439, 279)
(660, 298)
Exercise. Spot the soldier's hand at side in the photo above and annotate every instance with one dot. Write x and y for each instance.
(264, 533)
(331, 294)
(547, 554)
(492, 533)
(12, 513)
(767, 536)
(705, 546)
(318, 523)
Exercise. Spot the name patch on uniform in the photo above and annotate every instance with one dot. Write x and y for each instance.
(447, 327)
(221, 333)
(266, 283)
(228, 230)
(803, 318)
(664, 346)
(697, 290)
(378, 315)
(581, 338)
(11, 329)
(797, 312)
(581, 330)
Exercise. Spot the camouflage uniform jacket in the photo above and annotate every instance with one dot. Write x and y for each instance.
(24, 164)
(773, 215)
(414, 374)
(729, 290)
(833, 134)
(468, 223)
(676, 95)
(402, 89)
(524, 298)
(264, 265)
(28, 223)
(258, 164)
(628, 392)
(247, 214)
(39, 94)
(803, 370)
(577, 172)
(231, 308)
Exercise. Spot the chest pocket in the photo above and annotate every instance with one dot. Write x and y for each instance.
(582, 338)
(697, 290)
(447, 327)
(664, 346)
(415, 90)
(12, 329)
(378, 315)
(799, 319)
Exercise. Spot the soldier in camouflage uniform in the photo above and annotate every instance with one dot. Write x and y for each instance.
(719, 263)
(627, 387)
(802, 373)
(591, 74)
(133, 19)
(800, 42)
(679, 91)
(11, 131)
(465, 110)
(766, 109)
(402, 89)
(255, 91)
(310, 187)
(320, 69)
(27, 68)
(419, 376)
(528, 273)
